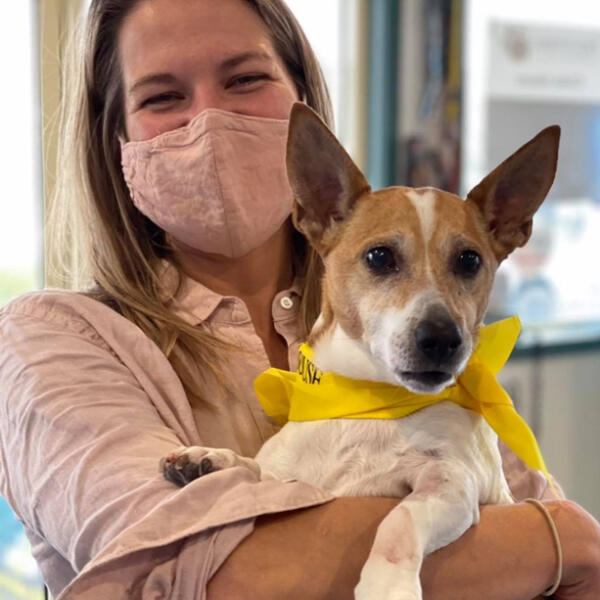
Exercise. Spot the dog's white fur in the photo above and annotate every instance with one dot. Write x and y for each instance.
(443, 461)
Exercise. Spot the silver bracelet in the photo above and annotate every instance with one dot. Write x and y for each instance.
(550, 520)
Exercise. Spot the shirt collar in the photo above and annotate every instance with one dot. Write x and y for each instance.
(195, 303)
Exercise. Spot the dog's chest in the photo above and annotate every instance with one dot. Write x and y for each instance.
(351, 457)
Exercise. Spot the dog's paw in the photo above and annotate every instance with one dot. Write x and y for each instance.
(188, 463)
(381, 580)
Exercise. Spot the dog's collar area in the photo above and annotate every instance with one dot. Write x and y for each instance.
(312, 395)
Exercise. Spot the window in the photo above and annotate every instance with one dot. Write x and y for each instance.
(20, 236)
(530, 65)
(20, 204)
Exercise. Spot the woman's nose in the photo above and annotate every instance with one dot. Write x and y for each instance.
(205, 97)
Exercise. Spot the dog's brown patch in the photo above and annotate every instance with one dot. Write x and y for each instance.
(389, 218)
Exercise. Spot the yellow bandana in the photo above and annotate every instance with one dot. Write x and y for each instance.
(311, 395)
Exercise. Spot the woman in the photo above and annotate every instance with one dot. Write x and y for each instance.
(162, 350)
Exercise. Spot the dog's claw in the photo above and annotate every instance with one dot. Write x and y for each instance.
(206, 466)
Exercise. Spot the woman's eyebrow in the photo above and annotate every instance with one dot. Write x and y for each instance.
(235, 60)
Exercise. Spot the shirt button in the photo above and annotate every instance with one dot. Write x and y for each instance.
(286, 302)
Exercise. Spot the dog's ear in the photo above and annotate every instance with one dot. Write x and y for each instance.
(325, 181)
(510, 195)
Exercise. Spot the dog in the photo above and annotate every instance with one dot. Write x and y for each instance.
(408, 274)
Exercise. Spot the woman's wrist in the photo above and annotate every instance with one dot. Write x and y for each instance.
(579, 534)
(557, 544)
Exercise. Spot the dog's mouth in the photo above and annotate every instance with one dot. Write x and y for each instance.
(426, 381)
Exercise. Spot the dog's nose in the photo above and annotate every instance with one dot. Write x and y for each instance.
(438, 337)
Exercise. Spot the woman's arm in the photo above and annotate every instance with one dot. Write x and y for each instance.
(318, 553)
(88, 406)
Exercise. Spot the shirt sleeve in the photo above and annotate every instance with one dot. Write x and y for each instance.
(81, 432)
(525, 482)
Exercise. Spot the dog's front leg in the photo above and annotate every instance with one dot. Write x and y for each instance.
(444, 503)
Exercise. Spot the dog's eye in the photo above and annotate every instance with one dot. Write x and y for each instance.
(381, 260)
(468, 263)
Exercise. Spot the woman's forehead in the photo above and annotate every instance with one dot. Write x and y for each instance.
(160, 33)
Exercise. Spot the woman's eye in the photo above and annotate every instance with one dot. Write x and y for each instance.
(245, 80)
(161, 99)
(468, 263)
(381, 260)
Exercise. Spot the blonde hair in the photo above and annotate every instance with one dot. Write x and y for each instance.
(98, 242)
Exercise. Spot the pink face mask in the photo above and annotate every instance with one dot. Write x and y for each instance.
(219, 184)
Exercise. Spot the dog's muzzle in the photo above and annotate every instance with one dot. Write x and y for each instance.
(438, 343)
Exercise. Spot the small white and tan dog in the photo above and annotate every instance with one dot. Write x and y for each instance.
(408, 273)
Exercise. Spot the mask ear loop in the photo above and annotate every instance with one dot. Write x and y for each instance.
(123, 141)
(559, 571)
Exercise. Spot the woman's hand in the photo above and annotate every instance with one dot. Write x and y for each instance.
(580, 540)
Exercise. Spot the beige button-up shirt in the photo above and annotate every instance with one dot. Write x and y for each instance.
(88, 406)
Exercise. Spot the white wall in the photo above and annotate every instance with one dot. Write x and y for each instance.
(560, 398)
